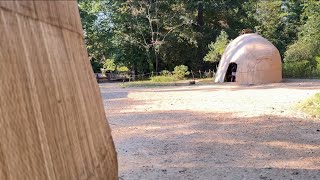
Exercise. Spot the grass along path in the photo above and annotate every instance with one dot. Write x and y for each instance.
(311, 105)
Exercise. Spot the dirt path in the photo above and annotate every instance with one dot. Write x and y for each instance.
(214, 131)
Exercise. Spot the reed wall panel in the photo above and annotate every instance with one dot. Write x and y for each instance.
(52, 120)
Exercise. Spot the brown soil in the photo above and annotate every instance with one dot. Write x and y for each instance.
(214, 131)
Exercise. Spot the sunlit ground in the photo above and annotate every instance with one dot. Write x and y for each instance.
(214, 131)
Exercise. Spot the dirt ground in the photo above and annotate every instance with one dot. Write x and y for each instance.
(215, 131)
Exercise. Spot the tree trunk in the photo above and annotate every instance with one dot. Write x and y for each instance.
(52, 120)
(157, 61)
(200, 20)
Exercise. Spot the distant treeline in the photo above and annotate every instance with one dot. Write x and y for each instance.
(156, 35)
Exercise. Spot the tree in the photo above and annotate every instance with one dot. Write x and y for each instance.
(270, 17)
(279, 22)
(217, 48)
(147, 24)
(95, 18)
(152, 35)
(307, 47)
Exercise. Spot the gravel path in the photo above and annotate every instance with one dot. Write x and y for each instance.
(214, 131)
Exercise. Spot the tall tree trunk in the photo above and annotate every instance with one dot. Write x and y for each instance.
(200, 19)
(200, 22)
(52, 123)
(157, 61)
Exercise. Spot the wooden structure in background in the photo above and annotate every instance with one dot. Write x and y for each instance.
(52, 120)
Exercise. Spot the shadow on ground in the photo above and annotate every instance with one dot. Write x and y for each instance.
(180, 143)
(161, 145)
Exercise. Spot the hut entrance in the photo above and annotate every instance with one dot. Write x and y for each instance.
(231, 73)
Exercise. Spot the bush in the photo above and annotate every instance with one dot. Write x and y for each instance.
(163, 78)
(216, 48)
(311, 105)
(122, 69)
(300, 69)
(109, 65)
(181, 71)
(165, 73)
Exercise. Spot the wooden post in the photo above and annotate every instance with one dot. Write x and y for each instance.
(133, 75)
(52, 120)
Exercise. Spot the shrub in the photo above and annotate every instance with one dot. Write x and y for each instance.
(109, 65)
(181, 71)
(311, 105)
(122, 69)
(165, 73)
(300, 69)
(216, 48)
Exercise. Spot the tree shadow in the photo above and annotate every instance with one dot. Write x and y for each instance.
(185, 144)
(191, 145)
(114, 95)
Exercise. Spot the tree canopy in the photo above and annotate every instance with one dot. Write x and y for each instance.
(154, 35)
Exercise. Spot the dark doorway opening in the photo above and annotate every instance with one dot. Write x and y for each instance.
(231, 73)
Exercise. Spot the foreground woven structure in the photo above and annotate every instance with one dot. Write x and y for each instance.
(52, 120)
(258, 60)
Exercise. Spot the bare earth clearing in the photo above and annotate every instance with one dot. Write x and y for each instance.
(214, 131)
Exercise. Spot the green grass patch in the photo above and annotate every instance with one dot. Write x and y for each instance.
(167, 80)
(147, 84)
(163, 79)
(311, 105)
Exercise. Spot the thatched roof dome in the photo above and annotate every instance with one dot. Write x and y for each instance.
(258, 60)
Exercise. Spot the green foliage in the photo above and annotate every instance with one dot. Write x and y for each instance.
(307, 47)
(270, 16)
(165, 73)
(122, 69)
(311, 105)
(217, 48)
(96, 66)
(300, 69)
(151, 35)
(147, 25)
(168, 78)
(109, 65)
(148, 36)
(279, 22)
(97, 26)
(181, 71)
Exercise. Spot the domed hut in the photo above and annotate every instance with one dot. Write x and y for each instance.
(252, 59)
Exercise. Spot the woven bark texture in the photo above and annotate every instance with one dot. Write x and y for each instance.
(52, 120)
(258, 60)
